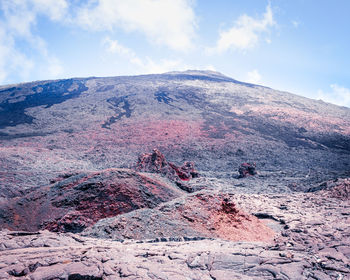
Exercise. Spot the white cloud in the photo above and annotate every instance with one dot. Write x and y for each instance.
(253, 77)
(54, 67)
(166, 22)
(21, 15)
(209, 67)
(114, 47)
(142, 65)
(54, 9)
(245, 33)
(25, 55)
(19, 18)
(338, 95)
(164, 65)
(12, 60)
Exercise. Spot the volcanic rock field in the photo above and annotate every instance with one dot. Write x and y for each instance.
(182, 175)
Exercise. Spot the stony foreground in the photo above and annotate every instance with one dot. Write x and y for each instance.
(312, 241)
(67, 256)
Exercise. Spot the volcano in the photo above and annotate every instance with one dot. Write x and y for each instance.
(51, 127)
(141, 177)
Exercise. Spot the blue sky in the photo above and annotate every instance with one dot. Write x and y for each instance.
(300, 46)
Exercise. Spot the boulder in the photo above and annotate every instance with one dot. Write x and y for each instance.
(247, 169)
(156, 162)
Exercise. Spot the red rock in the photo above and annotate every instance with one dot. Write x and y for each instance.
(156, 162)
(186, 171)
(79, 201)
(204, 214)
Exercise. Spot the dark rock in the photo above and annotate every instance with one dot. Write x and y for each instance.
(57, 127)
(23, 233)
(18, 272)
(77, 276)
(247, 169)
(265, 216)
(239, 153)
(124, 115)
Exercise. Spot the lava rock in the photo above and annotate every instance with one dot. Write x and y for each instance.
(156, 162)
(339, 188)
(203, 214)
(79, 201)
(247, 169)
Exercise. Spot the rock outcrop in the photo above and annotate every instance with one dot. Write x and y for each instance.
(79, 201)
(339, 188)
(247, 169)
(156, 162)
(204, 214)
(309, 244)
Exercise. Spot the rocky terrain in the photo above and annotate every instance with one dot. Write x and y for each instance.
(205, 214)
(63, 256)
(80, 200)
(310, 241)
(183, 175)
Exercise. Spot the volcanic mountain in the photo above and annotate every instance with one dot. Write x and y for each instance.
(51, 127)
(164, 176)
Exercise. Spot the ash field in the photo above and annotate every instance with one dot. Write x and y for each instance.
(182, 175)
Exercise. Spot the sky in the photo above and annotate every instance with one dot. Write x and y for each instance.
(299, 46)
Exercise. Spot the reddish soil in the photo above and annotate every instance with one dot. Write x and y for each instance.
(205, 214)
(226, 221)
(79, 201)
(233, 224)
(50, 128)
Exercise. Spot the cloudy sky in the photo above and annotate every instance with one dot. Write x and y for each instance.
(301, 46)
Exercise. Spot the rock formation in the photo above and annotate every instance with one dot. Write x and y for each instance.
(203, 214)
(156, 162)
(339, 188)
(247, 169)
(79, 201)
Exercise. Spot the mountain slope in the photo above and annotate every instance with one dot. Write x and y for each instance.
(51, 127)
